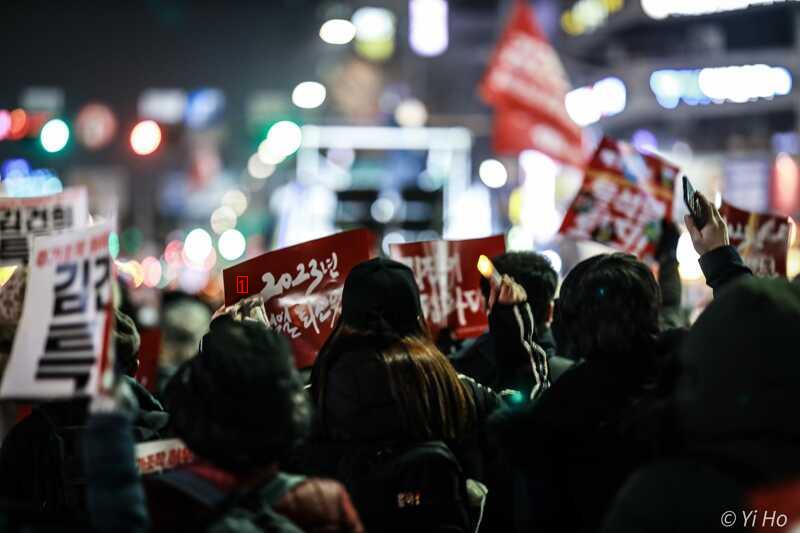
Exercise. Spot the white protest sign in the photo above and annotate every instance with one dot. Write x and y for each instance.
(159, 455)
(22, 218)
(61, 347)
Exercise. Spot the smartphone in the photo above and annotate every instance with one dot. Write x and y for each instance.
(697, 209)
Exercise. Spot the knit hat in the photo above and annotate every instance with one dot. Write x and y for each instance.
(239, 403)
(381, 295)
(740, 366)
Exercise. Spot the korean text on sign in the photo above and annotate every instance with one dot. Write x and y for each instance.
(61, 347)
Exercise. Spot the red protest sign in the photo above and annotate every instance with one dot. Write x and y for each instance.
(762, 240)
(301, 286)
(516, 130)
(624, 196)
(449, 281)
(525, 79)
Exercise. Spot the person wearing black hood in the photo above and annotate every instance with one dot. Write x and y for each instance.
(573, 446)
(735, 406)
(41, 465)
(239, 405)
(352, 384)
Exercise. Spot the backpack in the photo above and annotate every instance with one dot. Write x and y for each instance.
(250, 512)
(407, 488)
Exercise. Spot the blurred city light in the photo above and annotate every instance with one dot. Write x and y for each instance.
(337, 31)
(661, 9)
(173, 253)
(537, 197)
(308, 95)
(428, 33)
(197, 246)
(258, 169)
(644, 140)
(268, 153)
(15, 168)
(113, 244)
(203, 106)
(688, 265)
(19, 125)
(587, 105)
(236, 200)
(151, 271)
(375, 32)
(787, 183)
(717, 85)
(95, 126)
(587, 15)
(5, 123)
(283, 139)
(382, 209)
(54, 135)
(145, 137)
(391, 237)
(493, 173)
(222, 219)
(167, 106)
(411, 113)
(231, 244)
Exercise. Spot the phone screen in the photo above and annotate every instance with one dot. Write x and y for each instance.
(693, 204)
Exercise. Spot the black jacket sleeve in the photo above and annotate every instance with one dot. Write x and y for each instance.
(518, 355)
(721, 266)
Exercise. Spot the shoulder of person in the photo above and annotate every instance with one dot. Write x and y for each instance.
(316, 502)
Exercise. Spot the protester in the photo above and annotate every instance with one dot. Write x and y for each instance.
(355, 392)
(479, 359)
(734, 406)
(573, 445)
(184, 321)
(239, 405)
(41, 469)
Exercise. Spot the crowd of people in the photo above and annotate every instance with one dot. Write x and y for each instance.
(593, 406)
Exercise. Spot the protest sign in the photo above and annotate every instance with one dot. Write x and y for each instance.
(762, 240)
(61, 347)
(449, 281)
(526, 83)
(624, 196)
(159, 455)
(22, 218)
(301, 286)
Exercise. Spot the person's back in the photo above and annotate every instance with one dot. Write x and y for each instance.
(240, 407)
(734, 412)
(576, 444)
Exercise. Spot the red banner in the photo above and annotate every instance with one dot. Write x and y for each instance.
(762, 240)
(624, 196)
(301, 286)
(449, 281)
(526, 81)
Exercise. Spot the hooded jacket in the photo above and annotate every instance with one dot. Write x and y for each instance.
(734, 408)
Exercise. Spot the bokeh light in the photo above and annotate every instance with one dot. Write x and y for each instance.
(309, 95)
(19, 125)
(493, 173)
(236, 200)
(5, 123)
(259, 169)
(411, 113)
(337, 31)
(54, 135)
(151, 271)
(222, 219)
(231, 244)
(95, 126)
(197, 246)
(145, 137)
(113, 244)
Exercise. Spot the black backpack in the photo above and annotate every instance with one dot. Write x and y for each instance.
(418, 487)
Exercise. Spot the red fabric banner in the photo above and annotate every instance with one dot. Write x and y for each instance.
(762, 240)
(449, 281)
(527, 83)
(301, 286)
(624, 196)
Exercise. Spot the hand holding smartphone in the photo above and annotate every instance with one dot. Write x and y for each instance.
(697, 208)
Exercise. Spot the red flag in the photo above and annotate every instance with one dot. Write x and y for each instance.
(525, 77)
(516, 130)
(762, 240)
(449, 281)
(624, 196)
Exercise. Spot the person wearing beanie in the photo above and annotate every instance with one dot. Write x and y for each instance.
(239, 405)
(352, 384)
(734, 409)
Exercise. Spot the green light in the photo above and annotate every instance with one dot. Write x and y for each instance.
(131, 240)
(113, 244)
(54, 135)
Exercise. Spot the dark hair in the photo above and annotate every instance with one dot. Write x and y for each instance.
(536, 275)
(432, 402)
(608, 309)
